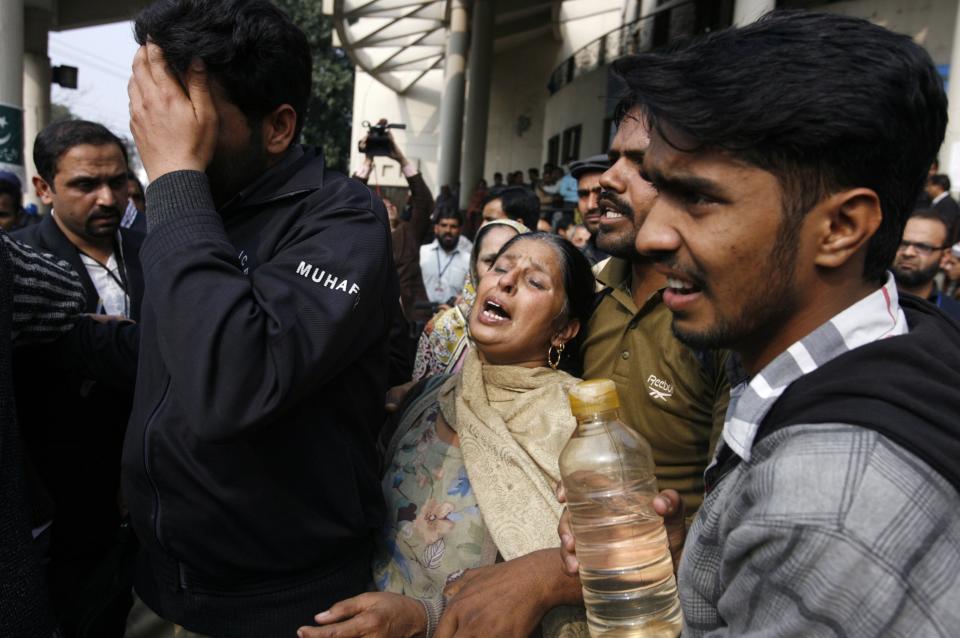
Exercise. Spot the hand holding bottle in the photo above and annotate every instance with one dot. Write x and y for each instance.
(667, 504)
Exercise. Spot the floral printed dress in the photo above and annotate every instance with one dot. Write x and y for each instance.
(433, 528)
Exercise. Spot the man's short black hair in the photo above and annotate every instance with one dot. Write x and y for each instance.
(250, 47)
(59, 137)
(519, 203)
(824, 102)
(942, 181)
(449, 213)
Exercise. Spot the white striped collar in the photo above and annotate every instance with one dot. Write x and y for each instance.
(874, 317)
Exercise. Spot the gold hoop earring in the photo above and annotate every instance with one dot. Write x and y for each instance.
(550, 355)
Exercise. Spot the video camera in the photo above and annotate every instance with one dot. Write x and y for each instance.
(378, 143)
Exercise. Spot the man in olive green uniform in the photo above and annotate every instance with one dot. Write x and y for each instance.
(673, 396)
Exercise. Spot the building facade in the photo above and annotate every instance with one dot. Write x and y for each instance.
(504, 85)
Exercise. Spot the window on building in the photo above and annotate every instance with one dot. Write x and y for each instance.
(609, 130)
(553, 150)
(571, 144)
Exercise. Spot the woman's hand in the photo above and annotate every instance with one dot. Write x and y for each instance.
(373, 615)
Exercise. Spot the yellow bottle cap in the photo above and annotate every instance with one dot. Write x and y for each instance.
(595, 395)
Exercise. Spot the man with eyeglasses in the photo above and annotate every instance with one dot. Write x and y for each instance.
(919, 258)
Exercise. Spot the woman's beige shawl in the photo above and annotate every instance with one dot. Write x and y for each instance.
(513, 423)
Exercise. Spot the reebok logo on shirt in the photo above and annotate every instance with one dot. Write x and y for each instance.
(659, 389)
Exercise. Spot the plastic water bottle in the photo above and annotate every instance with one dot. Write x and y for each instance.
(625, 566)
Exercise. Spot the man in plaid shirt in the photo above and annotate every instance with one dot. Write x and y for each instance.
(787, 155)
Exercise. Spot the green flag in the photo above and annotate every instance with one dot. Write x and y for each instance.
(11, 135)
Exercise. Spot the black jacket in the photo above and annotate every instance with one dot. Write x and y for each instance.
(249, 466)
(73, 427)
(47, 237)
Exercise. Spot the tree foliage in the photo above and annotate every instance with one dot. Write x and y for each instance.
(59, 112)
(330, 112)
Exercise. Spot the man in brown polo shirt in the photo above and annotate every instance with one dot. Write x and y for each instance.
(673, 396)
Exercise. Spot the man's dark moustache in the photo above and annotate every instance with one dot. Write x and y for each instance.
(612, 198)
(669, 259)
(105, 214)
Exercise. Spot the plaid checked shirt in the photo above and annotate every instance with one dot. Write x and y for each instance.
(826, 529)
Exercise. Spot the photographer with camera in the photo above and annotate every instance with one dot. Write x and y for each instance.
(406, 235)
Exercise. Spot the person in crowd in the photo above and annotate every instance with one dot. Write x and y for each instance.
(833, 504)
(406, 235)
(533, 175)
(498, 184)
(567, 190)
(938, 189)
(683, 392)
(472, 466)
(923, 249)
(250, 462)
(564, 225)
(547, 188)
(444, 343)
(514, 202)
(543, 224)
(951, 272)
(40, 300)
(134, 216)
(587, 173)
(11, 201)
(580, 237)
(446, 200)
(82, 173)
(475, 209)
(445, 262)
(923, 199)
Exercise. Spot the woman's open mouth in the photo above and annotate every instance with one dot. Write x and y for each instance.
(493, 313)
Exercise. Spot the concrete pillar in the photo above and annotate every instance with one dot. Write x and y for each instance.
(950, 151)
(747, 11)
(36, 89)
(451, 107)
(478, 97)
(11, 86)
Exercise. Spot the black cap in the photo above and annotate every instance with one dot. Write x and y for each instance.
(594, 164)
(7, 176)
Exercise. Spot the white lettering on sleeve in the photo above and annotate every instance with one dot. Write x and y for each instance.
(315, 274)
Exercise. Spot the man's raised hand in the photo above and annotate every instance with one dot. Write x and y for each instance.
(175, 128)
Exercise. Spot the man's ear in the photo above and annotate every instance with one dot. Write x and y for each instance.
(279, 127)
(43, 189)
(846, 221)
